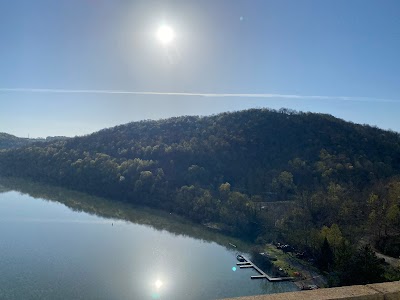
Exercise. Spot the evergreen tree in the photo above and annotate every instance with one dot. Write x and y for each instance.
(326, 258)
(366, 267)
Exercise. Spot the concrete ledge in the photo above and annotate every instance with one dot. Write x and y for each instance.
(378, 291)
(391, 290)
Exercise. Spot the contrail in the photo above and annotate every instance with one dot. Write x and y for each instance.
(207, 95)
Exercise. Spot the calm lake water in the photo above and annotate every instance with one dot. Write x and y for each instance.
(60, 244)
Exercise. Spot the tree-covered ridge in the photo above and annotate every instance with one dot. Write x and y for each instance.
(223, 170)
(9, 141)
(248, 149)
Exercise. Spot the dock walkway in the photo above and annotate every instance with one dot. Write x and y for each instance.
(249, 264)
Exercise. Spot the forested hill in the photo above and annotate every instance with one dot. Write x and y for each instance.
(214, 169)
(248, 149)
(8, 141)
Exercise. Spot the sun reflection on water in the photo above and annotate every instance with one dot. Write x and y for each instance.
(156, 289)
(158, 284)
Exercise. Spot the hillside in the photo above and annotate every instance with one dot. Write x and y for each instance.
(342, 178)
(247, 149)
(9, 141)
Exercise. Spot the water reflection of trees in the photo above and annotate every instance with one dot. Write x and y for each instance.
(104, 208)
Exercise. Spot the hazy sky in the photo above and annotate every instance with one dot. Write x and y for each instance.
(62, 61)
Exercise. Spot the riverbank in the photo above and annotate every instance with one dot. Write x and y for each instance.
(307, 276)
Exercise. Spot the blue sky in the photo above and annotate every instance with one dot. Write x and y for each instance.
(333, 49)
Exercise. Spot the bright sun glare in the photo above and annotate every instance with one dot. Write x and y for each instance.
(158, 283)
(165, 34)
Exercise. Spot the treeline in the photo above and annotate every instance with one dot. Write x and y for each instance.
(219, 170)
(9, 141)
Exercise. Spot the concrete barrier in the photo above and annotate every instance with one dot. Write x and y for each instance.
(390, 290)
(377, 291)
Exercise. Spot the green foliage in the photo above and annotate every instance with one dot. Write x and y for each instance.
(366, 267)
(389, 245)
(8, 141)
(333, 235)
(357, 266)
(283, 185)
(326, 257)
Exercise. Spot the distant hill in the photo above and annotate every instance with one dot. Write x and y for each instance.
(8, 141)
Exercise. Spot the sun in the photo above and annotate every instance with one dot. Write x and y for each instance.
(165, 34)
(158, 284)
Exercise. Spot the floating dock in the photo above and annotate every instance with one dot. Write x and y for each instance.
(249, 264)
